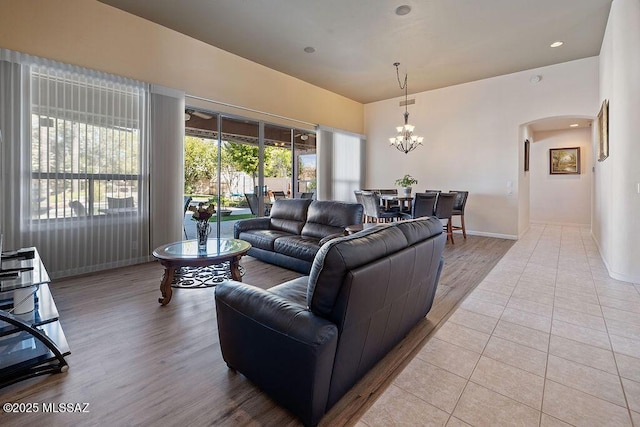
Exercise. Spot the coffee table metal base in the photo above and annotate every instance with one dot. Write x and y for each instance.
(176, 256)
(202, 277)
(170, 274)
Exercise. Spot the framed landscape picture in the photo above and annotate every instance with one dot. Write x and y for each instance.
(603, 128)
(564, 161)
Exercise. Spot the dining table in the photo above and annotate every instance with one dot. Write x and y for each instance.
(404, 201)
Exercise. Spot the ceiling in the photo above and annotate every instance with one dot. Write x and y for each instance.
(439, 43)
(205, 125)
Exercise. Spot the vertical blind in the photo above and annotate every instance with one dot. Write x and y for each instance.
(81, 142)
(341, 166)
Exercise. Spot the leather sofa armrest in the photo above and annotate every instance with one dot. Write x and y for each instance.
(251, 224)
(279, 345)
(275, 313)
(325, 239)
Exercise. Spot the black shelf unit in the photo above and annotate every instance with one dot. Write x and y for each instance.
(32, 343)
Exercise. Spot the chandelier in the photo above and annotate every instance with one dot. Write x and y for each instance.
(405, 140)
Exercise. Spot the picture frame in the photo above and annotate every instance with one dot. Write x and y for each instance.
(603, 128)
(527, 144)
(564, 161)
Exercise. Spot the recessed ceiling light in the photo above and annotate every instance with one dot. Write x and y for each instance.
(535, 79)
(403, 10)
(309, 49)
(574, 125)
(556, 44)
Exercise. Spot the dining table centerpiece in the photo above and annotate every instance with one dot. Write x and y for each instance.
(406, 182)
(201, 214)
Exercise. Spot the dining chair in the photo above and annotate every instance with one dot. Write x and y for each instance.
(423, 205)
(119, 202)
(252, 201)
(306, 195)
(393, 191)
(360, 200)
(458, 210)
(389, 204)
(444, 209)
(374, 211)
(278, 195)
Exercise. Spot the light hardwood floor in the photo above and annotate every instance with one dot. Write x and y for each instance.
(137, 363)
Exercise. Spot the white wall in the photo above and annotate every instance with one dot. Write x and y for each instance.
(524, 182)
(616, 227)
(560, 199)
(473, 137)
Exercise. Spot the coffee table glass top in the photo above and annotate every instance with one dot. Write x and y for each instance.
(188, 249)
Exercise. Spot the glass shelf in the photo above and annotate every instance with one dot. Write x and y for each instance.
(31, 343)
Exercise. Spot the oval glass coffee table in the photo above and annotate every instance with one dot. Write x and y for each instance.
(186, 254)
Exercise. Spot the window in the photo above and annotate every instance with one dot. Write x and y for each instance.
(85, 145)
(75, 156)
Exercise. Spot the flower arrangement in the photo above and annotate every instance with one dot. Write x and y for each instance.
(406, 181)
(202, 212)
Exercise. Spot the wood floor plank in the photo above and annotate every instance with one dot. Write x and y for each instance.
(138, 363)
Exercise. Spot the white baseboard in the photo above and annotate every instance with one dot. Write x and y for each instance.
(486, 234)
(524, 231)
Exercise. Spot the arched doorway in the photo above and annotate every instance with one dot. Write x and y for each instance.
(548, 195)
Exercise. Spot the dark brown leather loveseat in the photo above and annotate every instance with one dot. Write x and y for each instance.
(296, 228)
(306, 342)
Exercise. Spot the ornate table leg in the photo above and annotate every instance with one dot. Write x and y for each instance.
(234, 269)
(165, 285)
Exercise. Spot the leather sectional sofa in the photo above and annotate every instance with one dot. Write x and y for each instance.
(296, 229)
(306, 342)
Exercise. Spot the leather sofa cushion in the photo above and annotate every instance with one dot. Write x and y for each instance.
(337, 257)
(330, 217)
(289, 216)
(262, 239)
(301, 247)
(294, 290)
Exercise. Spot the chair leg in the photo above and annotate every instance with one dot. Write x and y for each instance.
(450, 231)
(464, 230)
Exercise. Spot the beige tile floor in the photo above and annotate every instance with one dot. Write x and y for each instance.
(547, 339)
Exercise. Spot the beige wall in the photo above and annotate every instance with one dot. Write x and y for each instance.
(473, 137)
(97, 36)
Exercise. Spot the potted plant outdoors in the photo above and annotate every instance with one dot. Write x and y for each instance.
(406, 182)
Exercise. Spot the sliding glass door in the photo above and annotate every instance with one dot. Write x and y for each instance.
(242, 166)
(240, 174)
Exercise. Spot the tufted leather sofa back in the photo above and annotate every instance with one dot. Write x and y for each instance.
(329, 217)
(289, 215)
